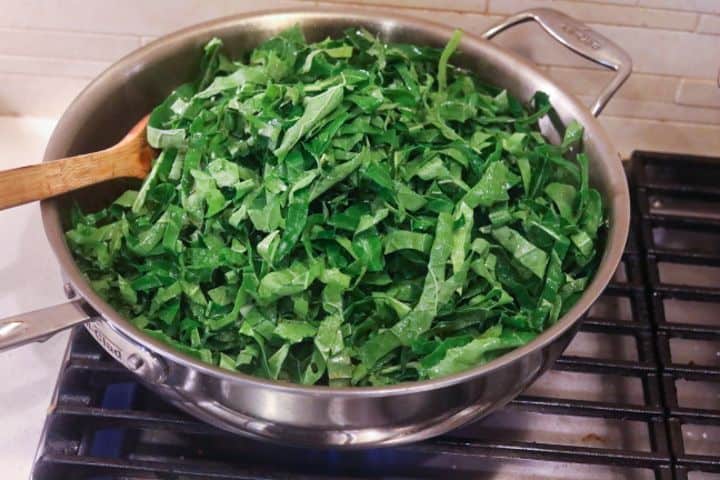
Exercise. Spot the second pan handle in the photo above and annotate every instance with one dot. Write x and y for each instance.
(582, 40)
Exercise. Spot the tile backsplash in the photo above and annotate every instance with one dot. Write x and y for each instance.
(50, 49)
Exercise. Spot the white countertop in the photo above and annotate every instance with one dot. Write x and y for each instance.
(29, 280)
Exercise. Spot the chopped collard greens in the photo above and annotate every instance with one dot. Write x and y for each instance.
(347, 212)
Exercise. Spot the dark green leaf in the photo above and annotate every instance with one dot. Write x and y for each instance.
(346, 212)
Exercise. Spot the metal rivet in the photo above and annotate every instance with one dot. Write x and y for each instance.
(135, 362)
(69, 290)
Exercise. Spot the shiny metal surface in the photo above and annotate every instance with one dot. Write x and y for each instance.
(40, 324)
(580, 39)
(281, 412)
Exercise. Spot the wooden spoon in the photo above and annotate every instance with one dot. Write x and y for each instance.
(129, 158)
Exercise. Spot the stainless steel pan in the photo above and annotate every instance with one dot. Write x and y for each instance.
(281, 412)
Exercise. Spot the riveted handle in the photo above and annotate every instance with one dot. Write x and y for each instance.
(133, 355)
(41, 324)
(582, 40)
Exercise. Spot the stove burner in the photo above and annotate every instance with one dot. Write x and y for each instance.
(681, 235)
(635, 396)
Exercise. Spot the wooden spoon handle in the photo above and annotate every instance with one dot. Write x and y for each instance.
(38, 182)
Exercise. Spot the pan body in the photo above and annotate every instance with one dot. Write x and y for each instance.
(293, 414)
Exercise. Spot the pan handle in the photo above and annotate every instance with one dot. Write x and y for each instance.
(41, 324)
(582, 40)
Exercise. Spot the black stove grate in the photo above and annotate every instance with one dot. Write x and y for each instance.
(683, 265)
(614, 406)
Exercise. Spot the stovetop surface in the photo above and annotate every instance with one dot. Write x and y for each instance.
(635, 396)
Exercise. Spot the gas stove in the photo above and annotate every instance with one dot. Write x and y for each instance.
(636, 395)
